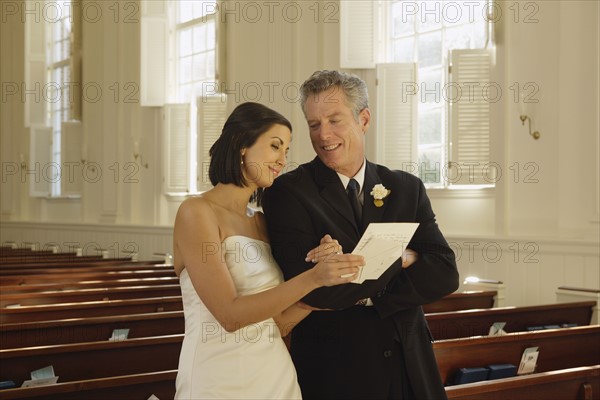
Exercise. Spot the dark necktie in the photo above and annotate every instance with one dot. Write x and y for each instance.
(353, 190)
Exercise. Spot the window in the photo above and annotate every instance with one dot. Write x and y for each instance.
(194, 48)
(52, 77)
(179, 74)
(58, 73)
(426, 33)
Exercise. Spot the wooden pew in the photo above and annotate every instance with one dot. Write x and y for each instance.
(582, 383)
(91, 266)
(89, 329)
(76, 276)
(571, 293)
(77, 361)
(90, 309)
(456, 324)
(96, 294)
(52, 258)
(462, 301)
(559, 349)
(135, 386)
(41, 287)
(84, 261)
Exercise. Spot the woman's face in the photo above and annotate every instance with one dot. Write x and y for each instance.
(265, 159)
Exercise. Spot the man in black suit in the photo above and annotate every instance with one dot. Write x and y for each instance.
(367, 341)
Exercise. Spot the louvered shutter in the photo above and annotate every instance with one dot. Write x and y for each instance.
(396, 116)
(211, 118)
(70, 143)
(153, 52)
(75, 74)
(358, 33)
(176, 128)
(40, 171)
(470, 116)
(35, 67)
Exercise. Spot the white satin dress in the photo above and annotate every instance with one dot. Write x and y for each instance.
(250, 363)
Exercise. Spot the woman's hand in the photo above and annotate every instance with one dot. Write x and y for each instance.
(337, 269)
(327, 247)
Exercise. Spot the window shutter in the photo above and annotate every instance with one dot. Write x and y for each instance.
(35, 67)
(397, 116)
(470, 116)
(75, 61)
(41, 170)
(358, 33)
(70, 143)
(153, 63)
(176, 128)
(211, 118)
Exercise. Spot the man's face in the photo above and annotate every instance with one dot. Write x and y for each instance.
(337, 137)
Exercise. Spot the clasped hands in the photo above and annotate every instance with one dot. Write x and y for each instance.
(333, 267)
(329, 246)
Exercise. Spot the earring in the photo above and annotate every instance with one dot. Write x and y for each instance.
(242, 163)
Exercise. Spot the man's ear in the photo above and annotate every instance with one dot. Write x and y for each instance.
(364, 117)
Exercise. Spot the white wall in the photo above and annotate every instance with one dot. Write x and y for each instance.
(547, 195)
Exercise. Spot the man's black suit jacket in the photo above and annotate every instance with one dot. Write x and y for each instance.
(342, 353)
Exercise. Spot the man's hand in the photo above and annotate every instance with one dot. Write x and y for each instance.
(409, 257)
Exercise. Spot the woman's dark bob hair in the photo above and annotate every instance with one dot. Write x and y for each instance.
(241, 130)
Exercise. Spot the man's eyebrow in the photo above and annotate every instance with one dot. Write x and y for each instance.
(335, 114)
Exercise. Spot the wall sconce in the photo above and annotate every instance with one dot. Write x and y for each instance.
(23, 163)
(136, 154)
(524, 117)
(536, 135)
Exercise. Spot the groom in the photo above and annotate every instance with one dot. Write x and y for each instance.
(373, 341)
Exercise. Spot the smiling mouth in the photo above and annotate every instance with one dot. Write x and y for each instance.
(331, 147)
(275, 172)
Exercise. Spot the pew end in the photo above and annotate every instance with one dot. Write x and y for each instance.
(566, 294)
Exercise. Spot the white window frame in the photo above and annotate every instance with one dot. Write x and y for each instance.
(370, 54)
(52, 98)
(161, 86)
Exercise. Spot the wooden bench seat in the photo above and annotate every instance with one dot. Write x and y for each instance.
(89, 329)
(581, 383)
(135, 386)
(83, 261)
(85, 276)
(41, 287)
(462, 301)
(14, 261)
(95, 294)
(456, 324)
(559, 349)
(61, 268)
(77, 361)
(90, 309)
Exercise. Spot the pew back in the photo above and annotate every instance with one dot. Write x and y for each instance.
(456, 324)
(77, 361)
(559, 349)
(582, 383)
(89, 329)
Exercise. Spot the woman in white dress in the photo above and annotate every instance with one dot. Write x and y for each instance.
(236, 305)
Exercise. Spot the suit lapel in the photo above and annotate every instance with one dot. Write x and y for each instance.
(372, 213)
(333, 192)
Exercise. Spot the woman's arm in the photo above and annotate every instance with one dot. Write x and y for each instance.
(196, 236)
(292, 316)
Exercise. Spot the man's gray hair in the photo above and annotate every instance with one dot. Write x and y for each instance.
(353, 87)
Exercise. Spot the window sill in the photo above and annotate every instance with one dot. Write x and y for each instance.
(71, 197)
(461, 193)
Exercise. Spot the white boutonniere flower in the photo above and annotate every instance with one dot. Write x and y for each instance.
(379, 193)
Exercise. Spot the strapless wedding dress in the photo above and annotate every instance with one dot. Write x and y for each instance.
(250, 363)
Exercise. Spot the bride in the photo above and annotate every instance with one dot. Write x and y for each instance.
(236, 305)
